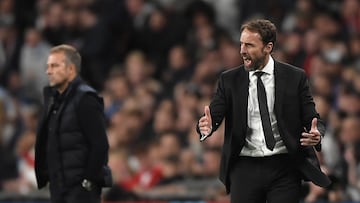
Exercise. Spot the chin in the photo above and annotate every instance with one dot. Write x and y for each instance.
(248, 69)
(52, 84)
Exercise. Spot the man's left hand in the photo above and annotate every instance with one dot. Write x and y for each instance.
(312, 137)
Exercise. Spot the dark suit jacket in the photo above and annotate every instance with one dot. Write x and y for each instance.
(294, 109)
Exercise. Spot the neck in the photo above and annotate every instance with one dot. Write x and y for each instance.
(266, 61)
(61, 89)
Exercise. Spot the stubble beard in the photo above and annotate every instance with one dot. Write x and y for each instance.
(256, 64)
(58, 85)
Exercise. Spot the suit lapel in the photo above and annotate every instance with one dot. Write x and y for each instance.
(280, 82)
(242, 82)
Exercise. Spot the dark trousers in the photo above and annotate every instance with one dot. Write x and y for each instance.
(75, 194)
(270, 179)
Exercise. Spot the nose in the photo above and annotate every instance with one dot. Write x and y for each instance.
(47, 71)
(243, 49)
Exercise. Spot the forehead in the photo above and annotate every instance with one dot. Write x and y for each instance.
(56, 57)
(250, 36)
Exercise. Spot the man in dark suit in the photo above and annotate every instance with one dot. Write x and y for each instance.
(271, 126)
(71, 150)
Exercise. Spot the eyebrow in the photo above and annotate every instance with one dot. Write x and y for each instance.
(246, 43)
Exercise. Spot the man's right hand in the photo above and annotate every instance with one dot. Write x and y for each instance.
(205, 123)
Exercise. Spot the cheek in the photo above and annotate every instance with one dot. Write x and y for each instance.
(59, 75)
(253, 54)
(266, 51)
(259, 53)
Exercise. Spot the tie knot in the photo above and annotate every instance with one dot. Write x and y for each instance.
(259, 74)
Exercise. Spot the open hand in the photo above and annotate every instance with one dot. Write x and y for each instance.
(205, 122)
(312, 137)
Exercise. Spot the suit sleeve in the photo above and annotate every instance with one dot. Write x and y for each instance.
(92, 123)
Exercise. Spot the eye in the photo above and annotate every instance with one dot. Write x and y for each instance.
(250, 45)
(247, 45)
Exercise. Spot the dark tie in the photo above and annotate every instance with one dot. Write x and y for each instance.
(264, 112)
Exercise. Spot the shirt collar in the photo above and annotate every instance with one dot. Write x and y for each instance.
(269, 67)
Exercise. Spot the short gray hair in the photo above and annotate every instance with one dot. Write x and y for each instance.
(71, 54)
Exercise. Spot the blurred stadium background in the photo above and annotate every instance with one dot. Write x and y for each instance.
(156, 62)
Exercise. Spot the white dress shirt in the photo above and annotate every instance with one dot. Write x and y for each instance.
(255, 145)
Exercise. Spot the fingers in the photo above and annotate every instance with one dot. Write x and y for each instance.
(205, 122)
(313, 125)
(205, 130)
(313, 137)
(207, 112)
(204, 125)
(309, 139)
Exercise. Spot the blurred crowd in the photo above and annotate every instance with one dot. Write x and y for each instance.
(156, 62)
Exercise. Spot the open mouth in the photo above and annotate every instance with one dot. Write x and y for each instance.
(247, 61)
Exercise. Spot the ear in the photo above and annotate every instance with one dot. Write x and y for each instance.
(269, 47)
(72, 68)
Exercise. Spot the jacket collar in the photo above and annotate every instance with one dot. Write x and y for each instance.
(51, 91)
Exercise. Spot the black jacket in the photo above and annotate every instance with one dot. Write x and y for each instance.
(294, 110)
(79, 141)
